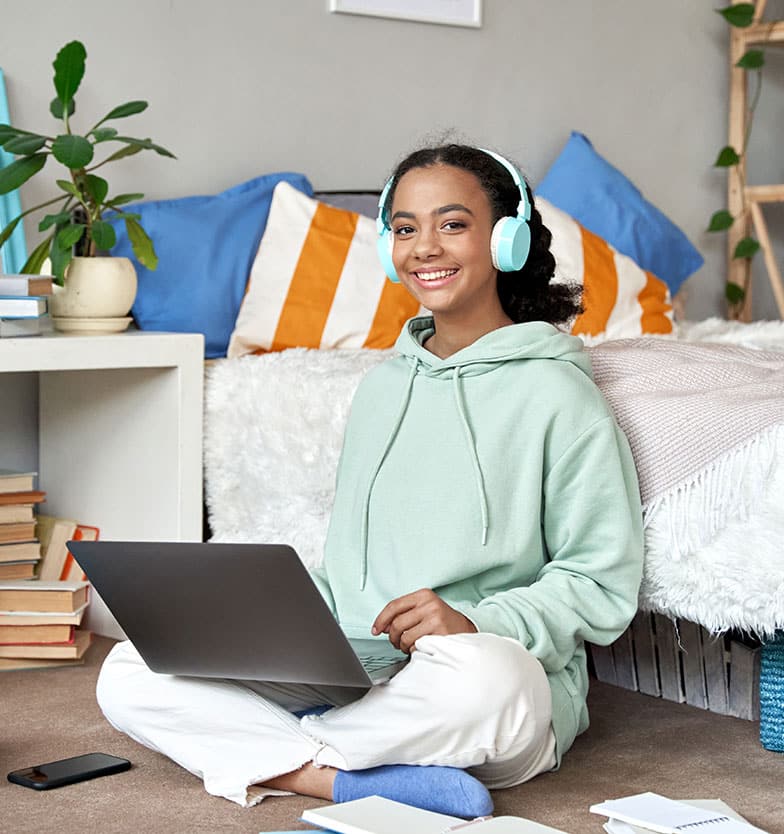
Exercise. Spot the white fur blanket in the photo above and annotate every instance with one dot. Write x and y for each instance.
(273, 431)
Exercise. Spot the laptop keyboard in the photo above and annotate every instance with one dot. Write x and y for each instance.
(373, 663)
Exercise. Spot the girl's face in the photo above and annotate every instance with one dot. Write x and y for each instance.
(441, 223)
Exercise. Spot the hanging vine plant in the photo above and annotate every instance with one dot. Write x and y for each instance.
(740, 15)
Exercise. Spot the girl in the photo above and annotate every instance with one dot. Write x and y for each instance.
(486, 520)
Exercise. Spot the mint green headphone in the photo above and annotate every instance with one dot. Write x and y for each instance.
(510, 241)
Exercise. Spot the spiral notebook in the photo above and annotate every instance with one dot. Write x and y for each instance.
(653, 812)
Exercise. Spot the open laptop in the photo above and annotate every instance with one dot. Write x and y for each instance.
(240, 611)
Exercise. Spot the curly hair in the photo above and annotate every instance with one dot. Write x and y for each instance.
(527, 294)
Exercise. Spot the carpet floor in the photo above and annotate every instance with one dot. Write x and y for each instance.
(635, 743)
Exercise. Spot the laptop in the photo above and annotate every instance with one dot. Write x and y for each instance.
(239, 611)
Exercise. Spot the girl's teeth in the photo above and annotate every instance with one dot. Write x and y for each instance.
(435, 276)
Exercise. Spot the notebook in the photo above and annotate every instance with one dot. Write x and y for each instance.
(238, 611)
(376, 815)
(653, 812)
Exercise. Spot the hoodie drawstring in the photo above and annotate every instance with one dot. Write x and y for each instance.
(387, 446)
(479, 478)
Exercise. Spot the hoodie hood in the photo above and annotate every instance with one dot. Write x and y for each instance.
(530, 340)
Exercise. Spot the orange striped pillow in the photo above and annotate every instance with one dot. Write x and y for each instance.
(621, 299)
(316, 282)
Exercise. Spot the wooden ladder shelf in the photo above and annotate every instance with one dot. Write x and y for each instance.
(743, 201)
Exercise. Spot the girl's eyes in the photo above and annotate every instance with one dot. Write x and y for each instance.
(448, 226)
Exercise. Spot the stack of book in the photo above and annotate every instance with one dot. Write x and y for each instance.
(24, 305)
(39, 624)
(20, 550)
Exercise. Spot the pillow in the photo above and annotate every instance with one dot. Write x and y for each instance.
(621, 300)
(583, 184)
(205, 247)
(317, 282)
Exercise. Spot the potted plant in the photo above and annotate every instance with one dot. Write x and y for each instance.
(77, 230)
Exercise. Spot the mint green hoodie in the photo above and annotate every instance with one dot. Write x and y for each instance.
(498, 478)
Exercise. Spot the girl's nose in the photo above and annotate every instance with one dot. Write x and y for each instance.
(427, 244)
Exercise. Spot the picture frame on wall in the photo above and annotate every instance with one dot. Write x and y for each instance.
(445, 12)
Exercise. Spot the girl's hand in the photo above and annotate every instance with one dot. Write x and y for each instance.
(414, 615)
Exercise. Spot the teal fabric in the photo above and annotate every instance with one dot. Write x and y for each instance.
(13, 252)
(585, 185)
(205, 247)
(498, 478)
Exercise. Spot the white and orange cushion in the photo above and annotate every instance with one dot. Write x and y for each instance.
(621, 299)
(317, 282)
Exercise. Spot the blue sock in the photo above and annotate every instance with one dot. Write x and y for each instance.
(446, 790)
(319, 710)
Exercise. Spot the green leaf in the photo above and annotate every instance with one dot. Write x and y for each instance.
(57, 109)
(727, 157)
(9, 229)
(739, 14)
(53, 220)
(122, 199)
(97, 188)
(746, 248)
(20, 171)
(141, 243)
(69, 71)
(145, 144)
(720, 221)
(69, 235)
(103, 234)
(37, 257)
(25, 145)
(73, 151)
(129, 150)
(754, 59)
(68, 186)
(734, 293)
(103, 134)
(60, 259)
(130, 108)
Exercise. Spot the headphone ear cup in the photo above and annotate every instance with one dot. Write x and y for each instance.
(384, 245)
(510, 244)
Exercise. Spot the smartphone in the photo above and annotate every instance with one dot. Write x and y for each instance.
(66, 771)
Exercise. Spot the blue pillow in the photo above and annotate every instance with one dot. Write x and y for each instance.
(205, 247)
(583, 184)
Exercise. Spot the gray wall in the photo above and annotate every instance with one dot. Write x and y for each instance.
(243, 87)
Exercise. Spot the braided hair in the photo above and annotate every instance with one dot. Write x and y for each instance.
(527, 294)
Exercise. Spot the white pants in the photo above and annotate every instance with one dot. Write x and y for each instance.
(474, 701)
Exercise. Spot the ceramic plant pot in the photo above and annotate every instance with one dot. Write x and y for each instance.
(97, 295)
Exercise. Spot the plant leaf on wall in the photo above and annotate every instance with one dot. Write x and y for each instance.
(727, 157)
(739, 14)
(69, 71)
(19, 171)
(754, 59)
(73, 151)
(746, 248)
(720, 221)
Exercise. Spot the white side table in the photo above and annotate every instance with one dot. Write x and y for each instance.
(113, 425)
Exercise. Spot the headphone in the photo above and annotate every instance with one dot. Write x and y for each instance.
(510, 241)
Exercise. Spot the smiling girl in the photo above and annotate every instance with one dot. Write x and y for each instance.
(486, 520)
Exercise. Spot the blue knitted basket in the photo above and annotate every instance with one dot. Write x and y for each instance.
(772, 694)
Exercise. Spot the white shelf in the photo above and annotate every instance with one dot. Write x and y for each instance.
(118, 435)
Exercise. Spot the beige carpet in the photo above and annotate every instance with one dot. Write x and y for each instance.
(635, 743)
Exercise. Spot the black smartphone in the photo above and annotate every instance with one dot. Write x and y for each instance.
(66, 771)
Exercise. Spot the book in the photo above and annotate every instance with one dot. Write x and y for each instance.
(10, 664)
(71, 569)
(12, 513)
(376, 815)
(53, 533)
(12, 328)
(51, 651)
(22, 306)
(17, 531)
(32, 496)
(36, 634)
(653, 812)
(13, 481)
(44, 597)
(19, 551)
(615, 826)
(25, 284)
(28, 618)
(24, 569)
